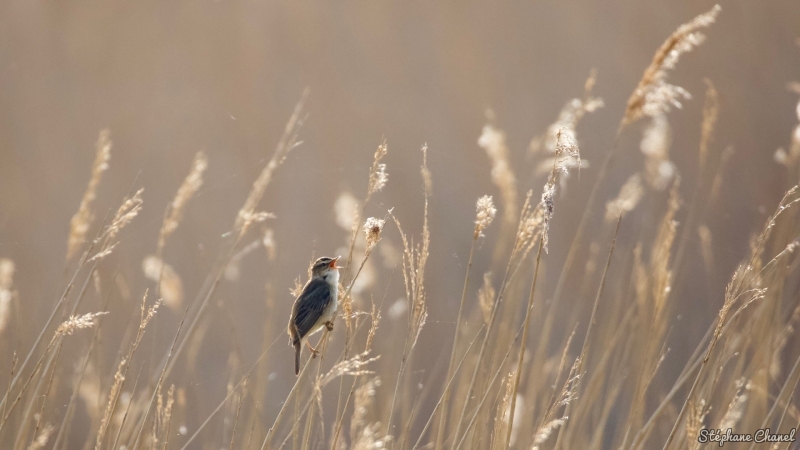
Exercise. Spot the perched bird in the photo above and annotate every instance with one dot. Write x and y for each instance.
(315, 306)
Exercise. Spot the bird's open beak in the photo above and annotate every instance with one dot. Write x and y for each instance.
(333, 263)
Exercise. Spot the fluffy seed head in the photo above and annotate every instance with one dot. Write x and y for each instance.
(372, 231)
(377, 173)
(485, 214)
(653, 95)
(82, 220)
(78, 323)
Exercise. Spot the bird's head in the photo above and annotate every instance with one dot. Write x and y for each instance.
(323, 266)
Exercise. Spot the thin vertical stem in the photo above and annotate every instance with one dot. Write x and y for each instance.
(446, 395)
(522, 345)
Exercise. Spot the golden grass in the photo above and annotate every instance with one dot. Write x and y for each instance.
(575, 367)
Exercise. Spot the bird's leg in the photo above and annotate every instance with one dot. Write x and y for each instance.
(314, 352)
(329, 325)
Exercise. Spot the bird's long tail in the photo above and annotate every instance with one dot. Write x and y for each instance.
(297, 348)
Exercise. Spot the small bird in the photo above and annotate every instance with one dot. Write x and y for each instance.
(315, 307)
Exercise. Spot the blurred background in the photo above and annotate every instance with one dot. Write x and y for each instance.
(169, 79)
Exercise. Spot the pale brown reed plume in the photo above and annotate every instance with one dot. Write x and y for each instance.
(486, 296)
(485, 213)
(82, 220)
(126, 212)
(736, 407)
(169, 282)
(698, 201)
(791, 158)
(415, 260)
(557, 397)
(41, 440)
(710, 116)
(493, 142)
(629, 196)
(366, 435)
(745, 289)
(163, 417)
(565, 397)
(377, 173)
(566, 124)
(7, 295)
(347, 206)
(175, 210)
(501, 417)
(656, 141)
(289, 140)
(75, 323)
(694, 422)
(653, 95)
(145, 315)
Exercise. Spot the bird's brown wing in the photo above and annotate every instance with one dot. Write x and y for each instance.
(308, 308)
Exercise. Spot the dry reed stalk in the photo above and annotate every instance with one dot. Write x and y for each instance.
(63, 430)
(784, 389)
(485, 212)
(487, 391)
(653, 285)
(501, 417)
(523, 342)
(125, 214)
(587, 339)
(447, 386)
(533, 226)
(38, 417)
(238, 410)
(163, 416)
(145, 315)
(415, 258)
(66, 328)
(245, 218)
(82, 220)
(734, 292)
(697, 203)
(375, 316)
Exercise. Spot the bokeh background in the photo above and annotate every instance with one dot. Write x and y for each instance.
(222, 76)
